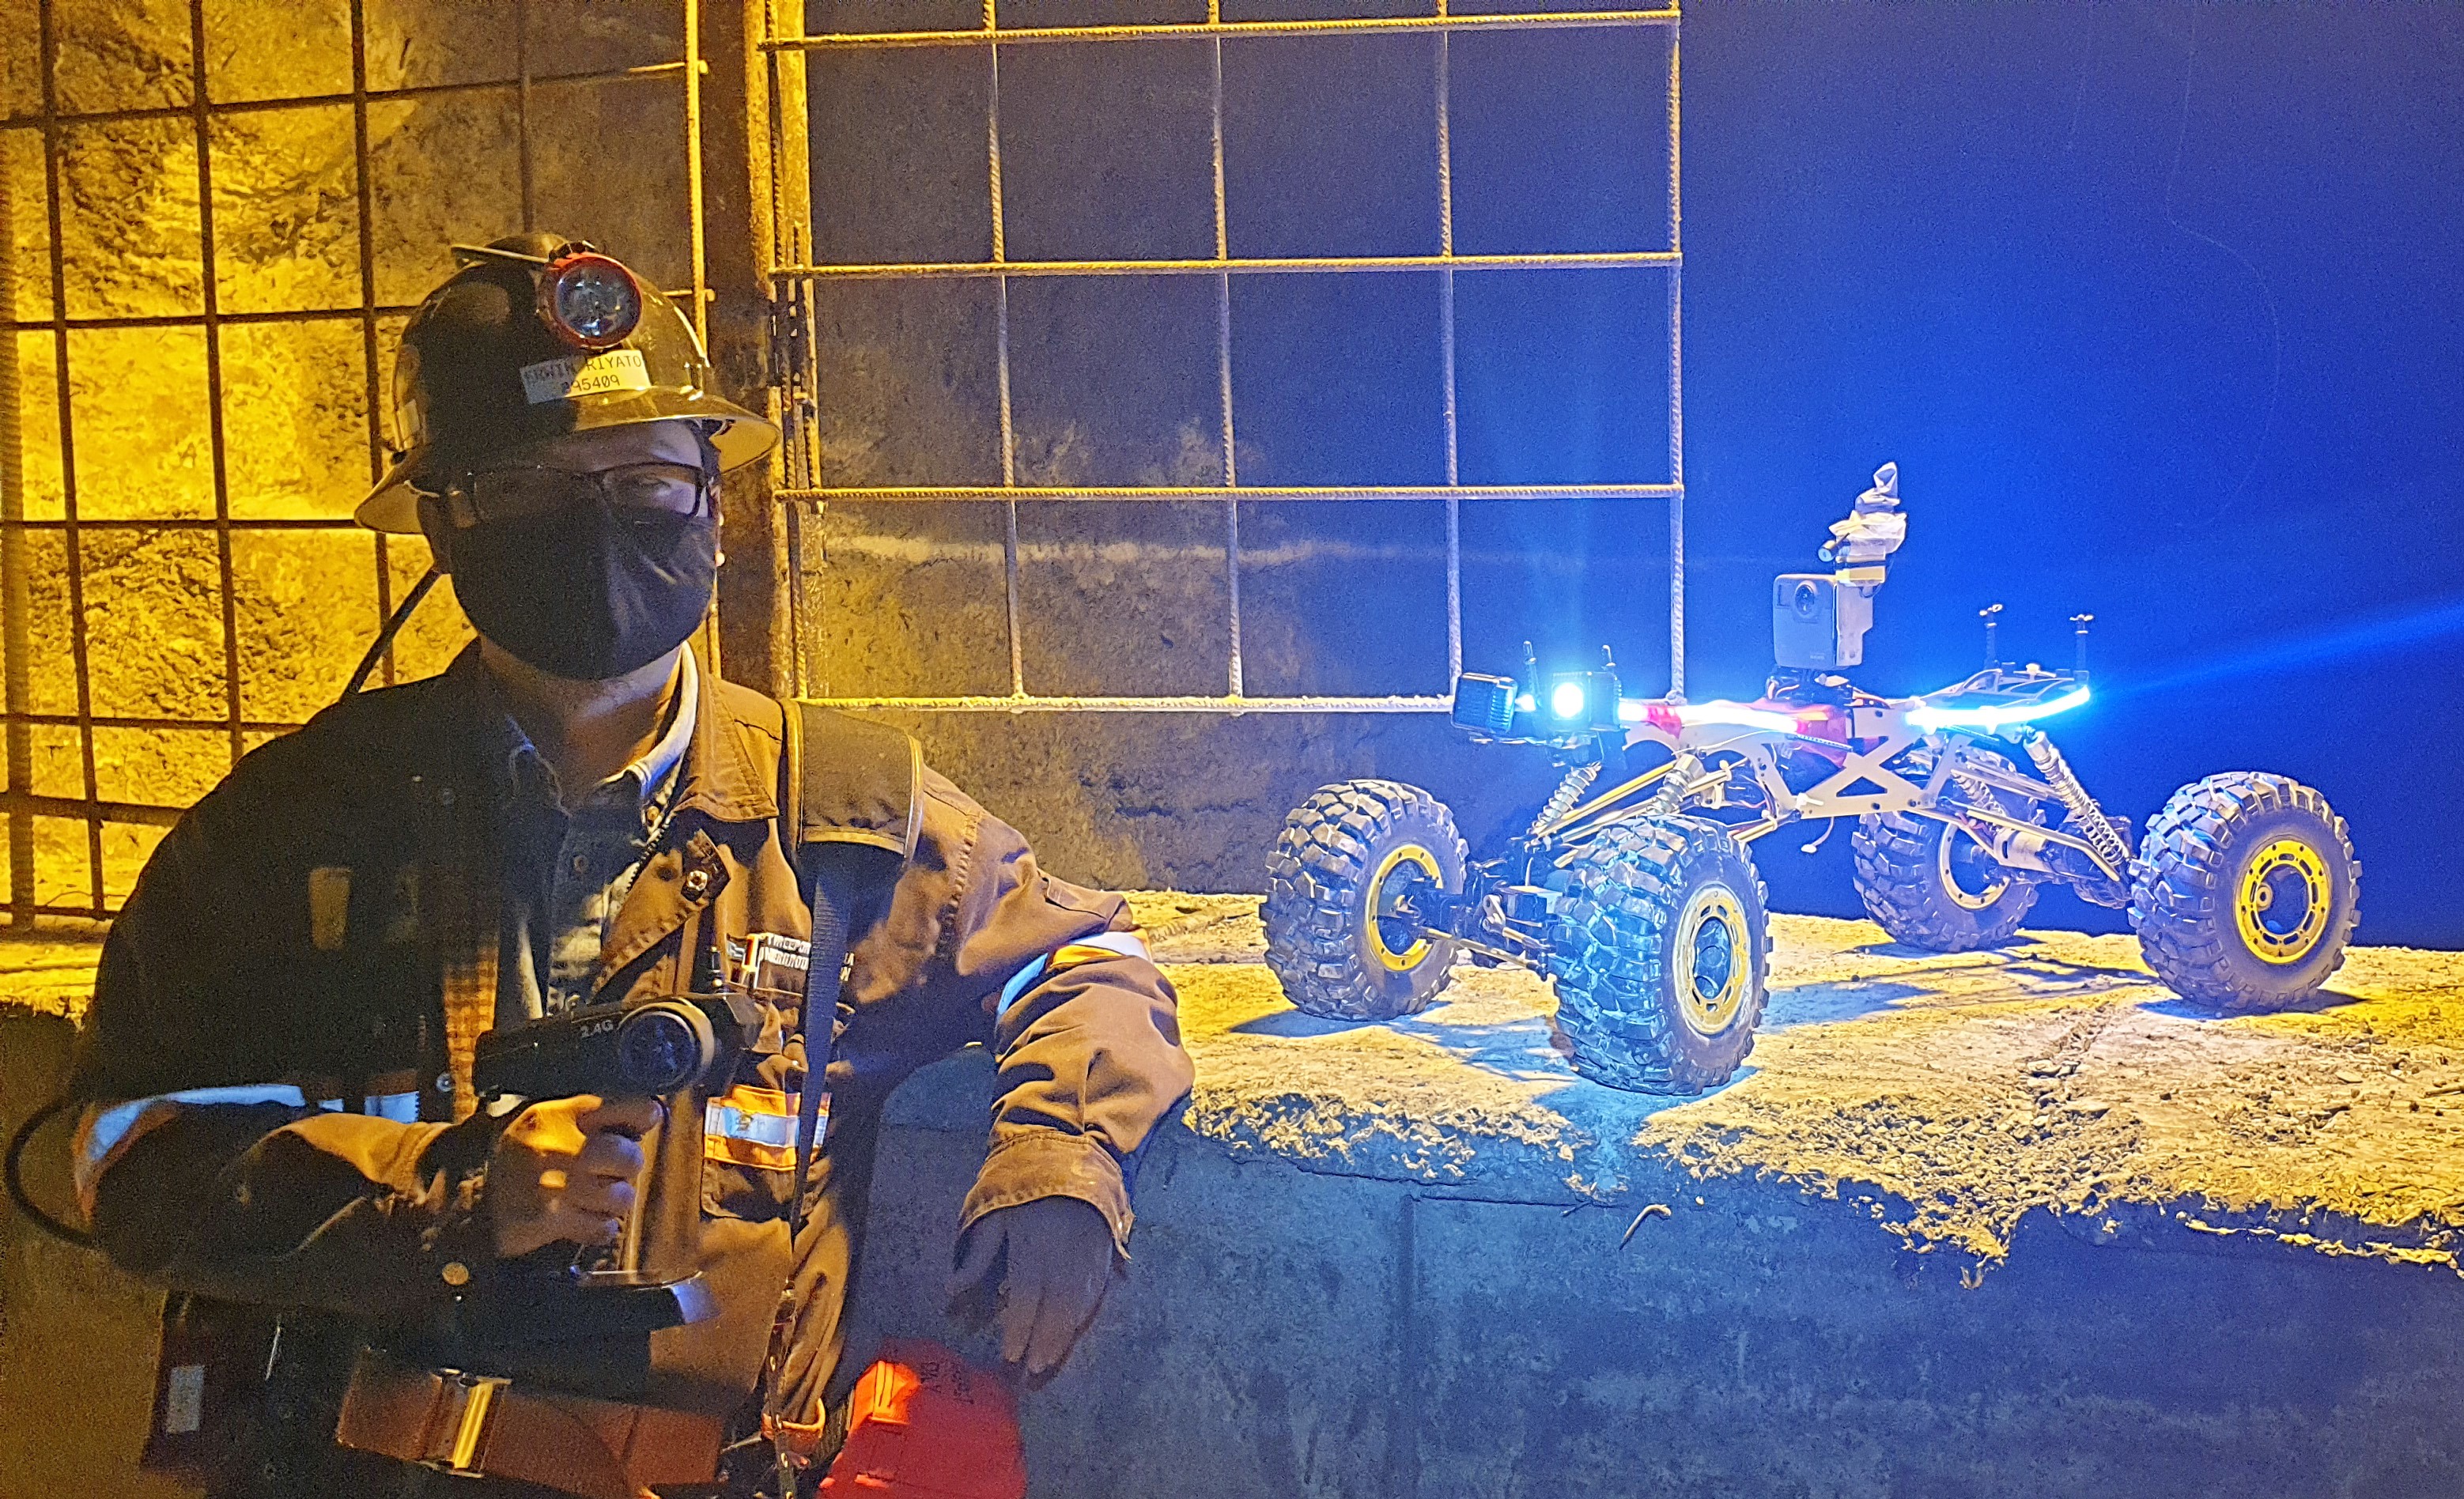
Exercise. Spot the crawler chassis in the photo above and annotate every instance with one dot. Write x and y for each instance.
(1633, 887)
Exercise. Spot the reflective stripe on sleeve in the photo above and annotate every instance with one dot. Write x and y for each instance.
(1070, 954)
(107, 1131)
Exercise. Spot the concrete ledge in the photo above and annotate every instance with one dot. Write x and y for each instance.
(1286, 1332)
(2010, 1224)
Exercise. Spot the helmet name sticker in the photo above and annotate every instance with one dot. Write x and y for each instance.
(584, 375)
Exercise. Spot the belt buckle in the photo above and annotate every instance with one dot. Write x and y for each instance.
(468, 1400)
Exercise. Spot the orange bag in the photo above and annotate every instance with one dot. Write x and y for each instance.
(924, 1423)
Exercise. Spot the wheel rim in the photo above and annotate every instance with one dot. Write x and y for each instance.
(1395, 939)
(1949, 862)
(1714, 960)
(2283, 902)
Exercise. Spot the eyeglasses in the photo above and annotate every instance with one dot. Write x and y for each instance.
(636, 489)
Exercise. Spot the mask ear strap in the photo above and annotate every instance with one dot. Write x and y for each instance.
(710, 469)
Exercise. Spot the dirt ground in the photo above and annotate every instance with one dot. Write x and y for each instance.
(1952, 1094)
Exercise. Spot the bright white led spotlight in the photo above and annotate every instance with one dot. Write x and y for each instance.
(1582, 702)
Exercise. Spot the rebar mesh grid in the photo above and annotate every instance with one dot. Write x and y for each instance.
(95, 895)
(799, 283)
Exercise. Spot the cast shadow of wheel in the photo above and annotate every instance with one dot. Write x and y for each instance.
(1521, 1045)
(2031, 977)
(2318, 1004)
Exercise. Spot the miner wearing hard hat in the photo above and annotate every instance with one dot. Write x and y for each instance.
(386, 1269)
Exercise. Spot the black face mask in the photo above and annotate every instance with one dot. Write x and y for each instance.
(585, 593)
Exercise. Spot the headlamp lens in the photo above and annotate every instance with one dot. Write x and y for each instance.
(591, 300)
(1568, 699)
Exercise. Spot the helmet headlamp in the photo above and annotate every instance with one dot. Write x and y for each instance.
(590, 300)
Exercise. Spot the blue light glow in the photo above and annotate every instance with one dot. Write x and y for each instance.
(1526, 703)
(1566, 699)
(1991, 719)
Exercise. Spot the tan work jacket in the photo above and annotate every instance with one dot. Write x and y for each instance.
(280, 1043)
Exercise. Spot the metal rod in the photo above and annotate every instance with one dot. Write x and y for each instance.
(182, 523)
(81, 663)
(95, 813)
(522, 105)
(415, 91)
(1447, 352)
(1676, 394)
(1519, 21)
(369, 361)
(1285, 265)
(100, 720)
(225, 582)
(1224, 365)
(15, 594)
(695, 231)
(1023, 703)
(1001, 331)
(937, 493)
(191, 319)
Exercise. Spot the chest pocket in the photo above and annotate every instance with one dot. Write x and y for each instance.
(748, 1152)
(748, 1140)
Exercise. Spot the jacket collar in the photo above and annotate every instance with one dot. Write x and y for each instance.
(720, 777)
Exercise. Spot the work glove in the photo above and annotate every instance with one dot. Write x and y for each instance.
(1040, 1269)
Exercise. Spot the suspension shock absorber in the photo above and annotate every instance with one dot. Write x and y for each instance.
(1570, 787)
(2093, 825)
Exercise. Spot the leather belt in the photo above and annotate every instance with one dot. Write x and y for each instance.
(478, 1426)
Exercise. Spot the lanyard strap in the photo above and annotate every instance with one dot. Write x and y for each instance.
(830, 871)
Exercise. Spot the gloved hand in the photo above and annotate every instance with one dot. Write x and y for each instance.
(565, 1170)
(1042, 1267)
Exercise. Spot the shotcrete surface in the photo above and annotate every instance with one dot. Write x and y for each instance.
(1951, 1094)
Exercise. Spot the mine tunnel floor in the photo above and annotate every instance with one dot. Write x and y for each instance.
(1950, 1093)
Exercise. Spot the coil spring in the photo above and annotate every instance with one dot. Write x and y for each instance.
(2092, 824)
(1570, 787)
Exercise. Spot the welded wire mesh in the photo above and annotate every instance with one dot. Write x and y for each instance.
(801, 286)
(102, 481)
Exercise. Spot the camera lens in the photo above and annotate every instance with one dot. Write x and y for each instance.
(662, 1046)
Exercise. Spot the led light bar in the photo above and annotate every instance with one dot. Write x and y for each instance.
(1736, 716)
(1993, 719)
(1714, 715)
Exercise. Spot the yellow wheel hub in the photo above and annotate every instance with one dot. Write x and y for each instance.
(2283, 902)
(1713, 960)
(1377, 918)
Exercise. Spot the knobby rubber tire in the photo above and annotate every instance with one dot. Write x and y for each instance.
(2186, 882)
(1617, 1012)
(1900, 880)
(1317, 898)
